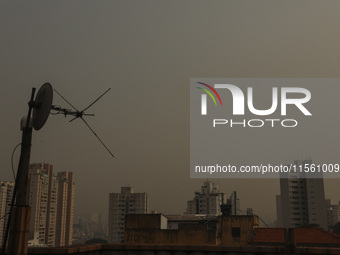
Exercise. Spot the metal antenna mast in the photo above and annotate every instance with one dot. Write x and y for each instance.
(20, 212)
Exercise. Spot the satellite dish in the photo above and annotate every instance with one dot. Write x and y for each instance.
(43, 104)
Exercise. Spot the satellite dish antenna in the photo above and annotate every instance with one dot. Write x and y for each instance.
(43, 104)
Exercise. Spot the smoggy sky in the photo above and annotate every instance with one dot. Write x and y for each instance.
(147, 51)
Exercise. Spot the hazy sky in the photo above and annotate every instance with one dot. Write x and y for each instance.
(147, 51)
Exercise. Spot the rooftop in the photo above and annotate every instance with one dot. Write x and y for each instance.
(316, 237)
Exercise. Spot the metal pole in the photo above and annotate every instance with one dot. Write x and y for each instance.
(19, 217)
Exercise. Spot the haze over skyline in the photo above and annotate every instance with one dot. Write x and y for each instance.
(147, 51)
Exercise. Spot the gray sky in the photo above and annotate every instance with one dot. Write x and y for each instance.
(147, 51)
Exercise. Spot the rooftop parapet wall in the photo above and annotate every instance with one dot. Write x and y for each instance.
(227, 230)
(145, 221)
(123, 249)
(237, 230)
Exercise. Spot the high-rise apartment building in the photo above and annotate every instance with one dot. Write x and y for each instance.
(208, 201)
(333, 213)
(6, 193)
(51, 199)
(120, 204)
(302, 200)
(42, 198)
(65, 213)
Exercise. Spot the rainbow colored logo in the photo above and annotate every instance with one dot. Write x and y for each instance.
(209, 93)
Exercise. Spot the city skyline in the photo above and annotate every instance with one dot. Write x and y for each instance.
(304, 197)
(146, 53)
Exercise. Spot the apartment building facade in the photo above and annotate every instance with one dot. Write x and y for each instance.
(51, 198)
(6, 193)
(302, 200)
(120, 204)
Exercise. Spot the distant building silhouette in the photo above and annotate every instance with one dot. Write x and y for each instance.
(234, 203)
(210, 200)
(6, 193)
(120, 204)
(333, 213)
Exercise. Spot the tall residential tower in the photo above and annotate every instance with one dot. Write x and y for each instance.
(120, 204)
(65, 207)
(51, 199)
(302, 200)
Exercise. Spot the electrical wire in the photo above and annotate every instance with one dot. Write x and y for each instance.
(4, 216)
(263, 221)
(12, 160)
(12, 203)
(257, 216)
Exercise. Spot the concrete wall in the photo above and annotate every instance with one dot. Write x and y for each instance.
(236, 230)
(145, 221)
(178, 236)
(231, 230)
(149, 229)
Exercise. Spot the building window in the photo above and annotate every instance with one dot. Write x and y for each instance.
(235, 232)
